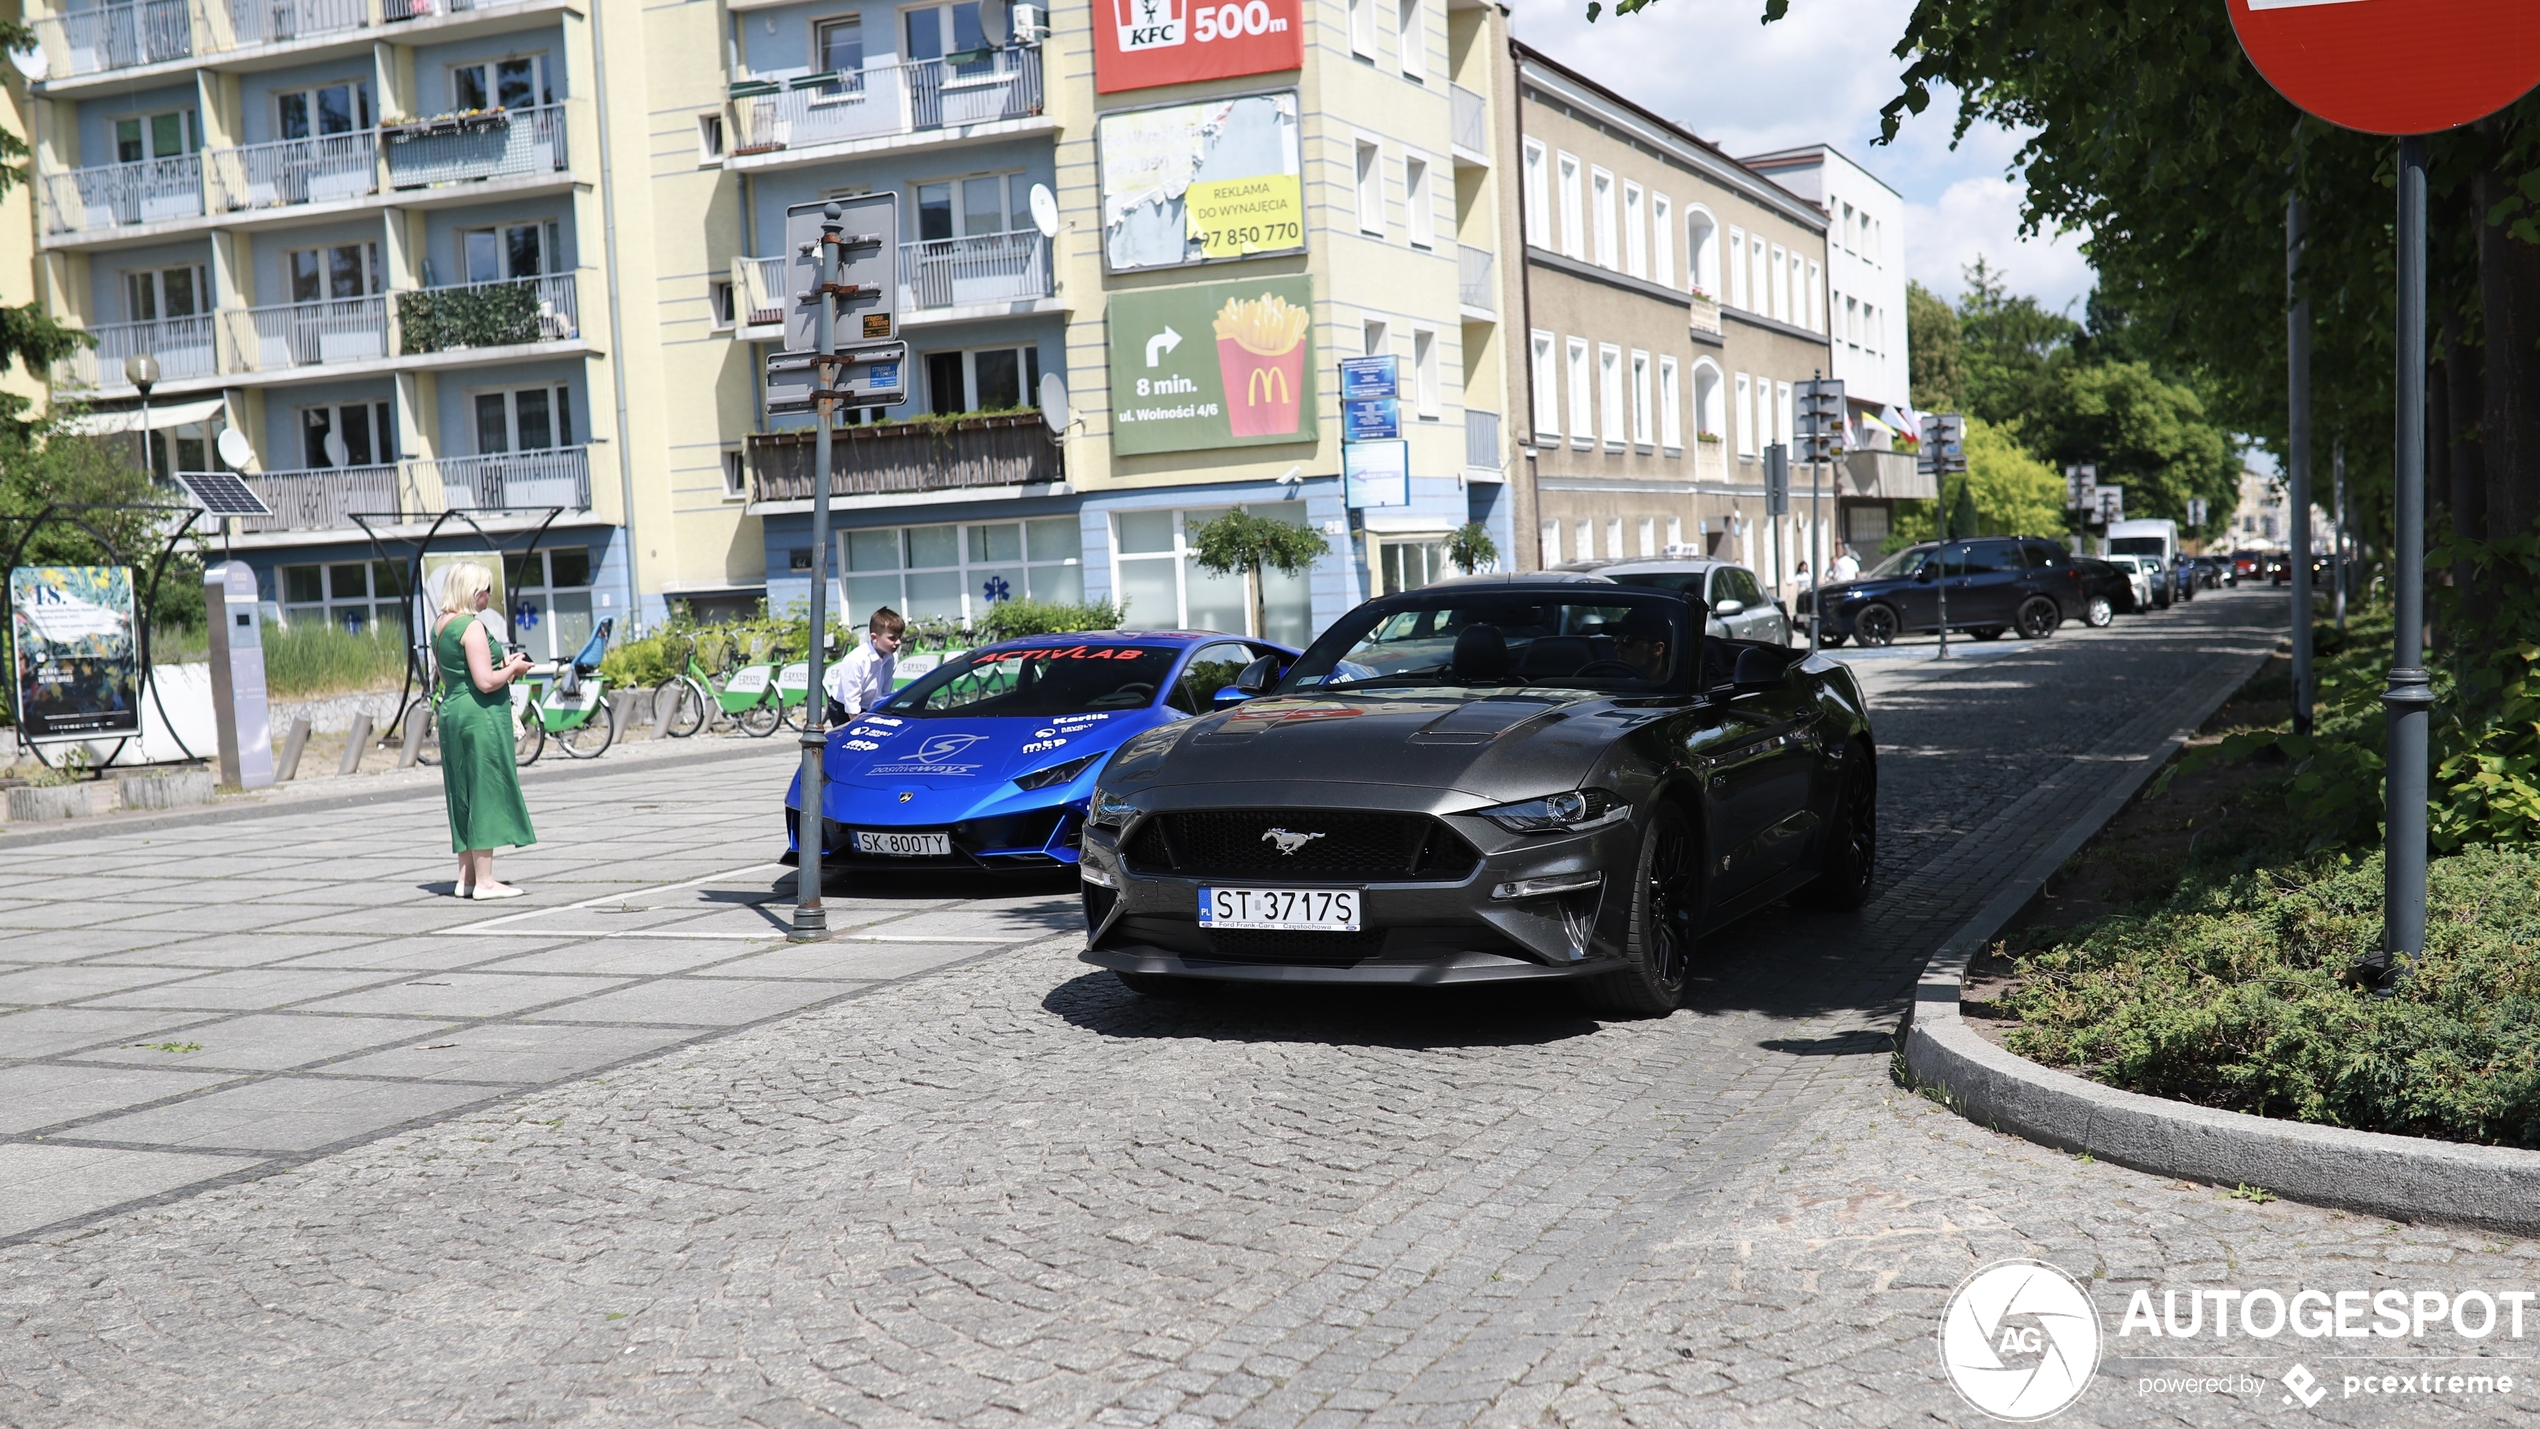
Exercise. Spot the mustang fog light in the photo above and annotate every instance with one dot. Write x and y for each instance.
(1570, 811)
(1096, 874)
(1546, 887)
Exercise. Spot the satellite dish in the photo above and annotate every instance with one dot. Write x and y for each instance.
(1044, 210)
(1054, 401)
(996, 23)
(337, 454)
(236, 450)
(32, 62)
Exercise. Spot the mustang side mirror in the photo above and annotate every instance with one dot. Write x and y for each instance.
(1727, 607)
(1258, 676)
(1758, 668)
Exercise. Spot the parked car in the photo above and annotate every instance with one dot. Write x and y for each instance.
(2279, 567)
(2156, 590)
(1994, 584)
(2208, 571)
(2246, 565)
(1522, 781)
(1739, 608)
(2108, 590)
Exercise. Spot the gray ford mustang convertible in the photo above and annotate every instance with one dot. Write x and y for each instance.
(1482, 783)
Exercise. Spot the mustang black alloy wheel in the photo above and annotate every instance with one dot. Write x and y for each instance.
(1851, 840)
(1666, 908)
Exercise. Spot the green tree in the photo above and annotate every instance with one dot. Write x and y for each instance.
(2014, 351)
(1241, 541)
(1471, 548)
(1935, 351)
(2006, 491)
(2147, 435)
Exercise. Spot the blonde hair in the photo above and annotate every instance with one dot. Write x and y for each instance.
(461, 584)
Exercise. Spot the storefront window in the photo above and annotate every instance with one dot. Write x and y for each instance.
(954, 571)
(1161, 585)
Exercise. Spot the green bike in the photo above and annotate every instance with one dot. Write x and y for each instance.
(750, 697)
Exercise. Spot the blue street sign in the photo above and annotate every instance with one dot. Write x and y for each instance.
(1368, 377)
(1370, 419)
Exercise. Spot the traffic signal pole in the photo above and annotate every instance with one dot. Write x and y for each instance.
(811, 917)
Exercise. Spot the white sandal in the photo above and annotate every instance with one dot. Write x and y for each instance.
(501, 890)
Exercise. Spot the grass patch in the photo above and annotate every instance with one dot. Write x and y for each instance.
(314, 658)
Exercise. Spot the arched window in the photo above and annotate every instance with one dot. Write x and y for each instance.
(1710, 404)
(1702, 251)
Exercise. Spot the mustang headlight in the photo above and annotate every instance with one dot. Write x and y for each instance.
(1568, 812)
(1056, 774)
(1110, 811)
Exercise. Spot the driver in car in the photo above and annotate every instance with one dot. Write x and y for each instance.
(1642, 642)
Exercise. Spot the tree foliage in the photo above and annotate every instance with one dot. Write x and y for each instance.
(1471, 549)
(1935, 351)
(1239, 541)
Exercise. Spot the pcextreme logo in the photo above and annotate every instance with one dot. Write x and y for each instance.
(2019, 1340)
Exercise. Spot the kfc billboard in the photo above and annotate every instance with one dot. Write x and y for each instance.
(1139, 44)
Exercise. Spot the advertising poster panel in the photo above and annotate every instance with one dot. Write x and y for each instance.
(1377, 473)
(1142, 43)
(77, 659)
(436, 576)
(1201, 183)
(1211, 366)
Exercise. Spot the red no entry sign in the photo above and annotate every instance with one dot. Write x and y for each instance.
(2394, 66)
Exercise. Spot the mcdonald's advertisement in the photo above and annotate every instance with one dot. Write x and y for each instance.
(1212, 366)
(78, 665)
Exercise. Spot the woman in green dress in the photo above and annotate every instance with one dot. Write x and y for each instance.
(478, 774)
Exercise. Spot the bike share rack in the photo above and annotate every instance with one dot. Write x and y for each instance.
(64, 512)
(419, 644)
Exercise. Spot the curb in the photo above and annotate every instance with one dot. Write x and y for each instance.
(2400, 1178)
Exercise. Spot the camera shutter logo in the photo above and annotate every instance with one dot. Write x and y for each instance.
(2019, 1340)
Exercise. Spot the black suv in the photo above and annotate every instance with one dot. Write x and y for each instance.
(1995, 583)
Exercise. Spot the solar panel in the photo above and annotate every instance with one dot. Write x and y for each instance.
(223, 494)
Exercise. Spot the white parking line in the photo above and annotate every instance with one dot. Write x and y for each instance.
(774, 935)
(605, 898)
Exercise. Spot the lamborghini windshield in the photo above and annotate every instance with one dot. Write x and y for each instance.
(1037, 682)
(1464, 636)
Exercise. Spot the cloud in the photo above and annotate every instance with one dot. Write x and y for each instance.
(1819, 75)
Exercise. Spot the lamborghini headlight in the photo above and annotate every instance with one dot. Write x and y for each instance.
(1056, 774)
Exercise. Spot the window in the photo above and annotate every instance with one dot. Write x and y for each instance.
(357, 595)
(1375, 339)
(1635, 232)
(1424, 373)
(1573, 211)
(1737, 268)
(1746, 444)
(1702, 254)
(972, 207)
(550, 593)
(988, 379)
(322, 110)
(516, 83)
(1362, 27)
(1414, 37)
(1641, 403)
(347, 434)
(1159, 581)
(938, 32)
(956, 571)
(1609, 372)
(1710, 406)
(1662, 246)
(1419, 205)
(1538, 196)
(154, 293)
(736, 476)
(1675, 531)
(1878, 242)
(1781, 284)
(1649, 535)
(709, 138)
(719, 302)
(1816, 298)
(1783, 425)
(1798, 291)
(1371, 188)
(1845, 237)
(156, 136)
(1671, 414)
(838, 45)
(1547, 385)
(524, 419)
(1549, 542)
(1582, 397)
(1602, 183)
(1614, 538)
(1762, 264)
(1585, 533)
(515, 250)
(1408, 563)
(345, 270)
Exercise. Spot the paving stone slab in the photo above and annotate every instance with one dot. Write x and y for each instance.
(281, 1114)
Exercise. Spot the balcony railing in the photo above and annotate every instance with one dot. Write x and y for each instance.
(268, 22)
(983, 268)
(769, 115)
(759, 298)
(321, 500)
(1705, 313)
(500, 314)
(118, 195)
(909, 457)
(183, 346)
(289, 335)
(1472, 278)
(1468, 121)
(111, 37)
(493, 145)
(325, 169)
(1711, 461)
(1481, 441)
(558, 476)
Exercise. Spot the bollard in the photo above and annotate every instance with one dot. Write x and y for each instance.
(664, 706)
(288, 767)
(355, 745)
(410, 744)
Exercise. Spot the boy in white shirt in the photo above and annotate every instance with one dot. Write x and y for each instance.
(863, 679)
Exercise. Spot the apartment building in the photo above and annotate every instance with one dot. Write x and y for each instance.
(1672, 299)
(1865, 319)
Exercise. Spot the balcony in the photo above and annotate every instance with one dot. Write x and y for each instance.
(480, 315)
(492, 145)
(775, 120)
(273, 22)
(328, 498)
(184, 347)
(1706, 313)
(113, 196)
(936, 275)
(1473, 291)
(107, 39)
(1468, 127)
(1710, 460)
(509, 481)
(104, 38)
(328, 169)
(321, 500)
(909, 457)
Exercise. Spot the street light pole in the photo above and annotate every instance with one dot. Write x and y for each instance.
(811, 919)
(2298, 454)
(2409, 699)
(142, 371)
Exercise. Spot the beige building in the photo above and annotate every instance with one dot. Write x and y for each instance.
(1672, 298)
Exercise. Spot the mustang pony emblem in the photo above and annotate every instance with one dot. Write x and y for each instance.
(1288, 843)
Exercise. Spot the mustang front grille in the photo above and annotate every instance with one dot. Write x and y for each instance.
(1356, 845)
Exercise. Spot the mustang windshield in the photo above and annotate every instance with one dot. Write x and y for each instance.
(1037, 683)
(1464, 636)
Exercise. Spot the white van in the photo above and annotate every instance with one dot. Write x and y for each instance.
(2153, 541)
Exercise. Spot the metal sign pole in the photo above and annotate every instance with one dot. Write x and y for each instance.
(2410, 696)
(1816, 555)
(2338, 465)
(811, 919)
(2298, 455)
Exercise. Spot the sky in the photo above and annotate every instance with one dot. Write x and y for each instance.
(1820, 75)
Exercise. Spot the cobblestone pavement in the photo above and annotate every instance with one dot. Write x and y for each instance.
(1004, 1191)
